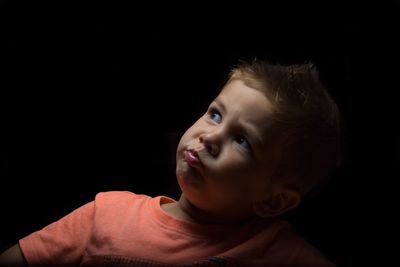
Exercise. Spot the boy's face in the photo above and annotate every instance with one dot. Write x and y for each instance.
(225, 158)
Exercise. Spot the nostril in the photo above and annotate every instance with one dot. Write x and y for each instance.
(215, 151)
(212, 149)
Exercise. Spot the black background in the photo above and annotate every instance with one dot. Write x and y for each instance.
(95, 95)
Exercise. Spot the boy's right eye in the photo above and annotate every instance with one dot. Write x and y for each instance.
(215, 115)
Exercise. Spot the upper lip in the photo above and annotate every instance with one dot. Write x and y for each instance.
(195, 154)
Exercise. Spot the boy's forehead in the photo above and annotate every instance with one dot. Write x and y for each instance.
(241, 87)
(238, 95)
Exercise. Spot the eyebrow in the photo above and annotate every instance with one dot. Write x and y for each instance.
(219, 103)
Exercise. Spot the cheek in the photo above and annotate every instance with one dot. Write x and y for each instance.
(228, 173)
(235, 170)
(189, 135)
(183, 141)
(233, 162)
(189, 131)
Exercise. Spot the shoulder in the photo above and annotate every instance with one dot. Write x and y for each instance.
(116, 203)
(118, 196)
(300, 250)
(116, 211)
(279, 242)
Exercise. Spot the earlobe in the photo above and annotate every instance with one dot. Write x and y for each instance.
(280, 203)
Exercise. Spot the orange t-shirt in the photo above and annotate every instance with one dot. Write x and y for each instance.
(125, 229)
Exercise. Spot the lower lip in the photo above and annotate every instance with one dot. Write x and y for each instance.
(192, 159)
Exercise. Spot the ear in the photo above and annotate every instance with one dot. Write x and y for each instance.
(281, 202)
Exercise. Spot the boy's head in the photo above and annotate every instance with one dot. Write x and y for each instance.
(306, 121)
(270, 137)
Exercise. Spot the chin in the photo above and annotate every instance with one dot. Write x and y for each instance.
(189, 182)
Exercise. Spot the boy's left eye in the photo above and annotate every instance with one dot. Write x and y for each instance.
(243, 142)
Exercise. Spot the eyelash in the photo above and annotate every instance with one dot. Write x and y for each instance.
(214, 111)
(238, 139)
(241, 138)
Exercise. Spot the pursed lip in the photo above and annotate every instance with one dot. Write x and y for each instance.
(192, 158)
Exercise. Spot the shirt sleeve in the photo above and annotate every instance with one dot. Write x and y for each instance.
(61, 243)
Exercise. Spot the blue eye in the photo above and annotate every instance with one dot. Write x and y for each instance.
(215, 116)
(243, 142)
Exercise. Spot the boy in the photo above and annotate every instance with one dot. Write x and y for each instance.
(270, 138)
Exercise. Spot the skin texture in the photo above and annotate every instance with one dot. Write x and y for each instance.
(224, 161)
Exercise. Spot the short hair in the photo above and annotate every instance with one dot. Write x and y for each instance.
(307, 121)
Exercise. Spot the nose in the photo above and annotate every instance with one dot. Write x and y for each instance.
(211, 143)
